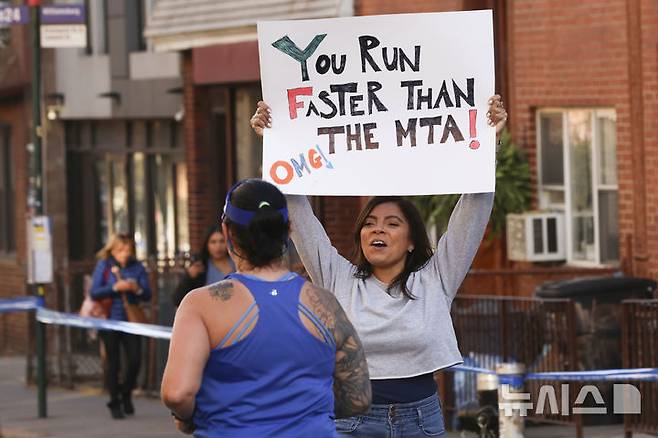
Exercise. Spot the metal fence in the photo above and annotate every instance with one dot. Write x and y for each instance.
(77, 354)
(538, 333)
(543, 334)
(640, 350)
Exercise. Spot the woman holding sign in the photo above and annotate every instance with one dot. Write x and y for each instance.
(397, 295)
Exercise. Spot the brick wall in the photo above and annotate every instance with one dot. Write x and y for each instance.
(600, 53)
(13, 327)
(54, 166)
(376, 7)
(648, 11)
(585, 54)
(198, 154)
(338, 215)
(16, 111)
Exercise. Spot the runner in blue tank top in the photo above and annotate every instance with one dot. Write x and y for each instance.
(263, 353)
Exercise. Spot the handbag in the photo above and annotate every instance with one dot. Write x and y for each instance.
(95, 308)
(91, 308)
(134, 312)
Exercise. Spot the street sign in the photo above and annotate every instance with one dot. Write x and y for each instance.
(63, 26)
(40, 256)
(14, 15)
(63, 14)
(63, 35)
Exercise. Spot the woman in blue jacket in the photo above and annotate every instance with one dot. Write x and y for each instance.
(118, 272)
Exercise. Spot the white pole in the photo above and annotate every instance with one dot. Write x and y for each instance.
(513, 403)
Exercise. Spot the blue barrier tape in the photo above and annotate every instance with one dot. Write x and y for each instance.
(640, 374)
(71, 319)
(470, 369)
(515, 380)
(19, 304)
(162, 332)
(52, 317)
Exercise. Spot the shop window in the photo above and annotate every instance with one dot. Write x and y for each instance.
(134, 183)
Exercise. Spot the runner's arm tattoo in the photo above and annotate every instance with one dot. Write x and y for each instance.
(352, 392)
(222, 290)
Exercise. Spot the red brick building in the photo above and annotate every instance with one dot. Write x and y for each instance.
(15, 110)
(601, 56)
(221, 87)
(112, 156)
(584, 76)
(579, 80)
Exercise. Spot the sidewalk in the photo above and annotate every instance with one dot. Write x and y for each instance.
(72, 414)
(78, 414)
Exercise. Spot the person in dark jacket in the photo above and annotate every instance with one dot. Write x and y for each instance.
(212, 266)
(118, 272)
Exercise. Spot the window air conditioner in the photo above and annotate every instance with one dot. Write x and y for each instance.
(536, 237)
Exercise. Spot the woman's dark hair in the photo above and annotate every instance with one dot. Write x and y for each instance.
(265, 238)
(418, 257)
(205, 254)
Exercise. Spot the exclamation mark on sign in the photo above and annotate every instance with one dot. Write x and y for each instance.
(472, 115)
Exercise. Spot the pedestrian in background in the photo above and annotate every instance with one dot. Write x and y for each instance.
(211, 266)
(119, 275)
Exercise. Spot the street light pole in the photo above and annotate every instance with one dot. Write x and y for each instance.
(35, 197)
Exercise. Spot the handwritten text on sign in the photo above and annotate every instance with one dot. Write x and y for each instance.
(379, 105)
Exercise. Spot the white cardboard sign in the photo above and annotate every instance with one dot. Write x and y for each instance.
(379, 105)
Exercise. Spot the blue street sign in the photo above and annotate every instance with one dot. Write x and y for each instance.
(63, 14)
(14, 15)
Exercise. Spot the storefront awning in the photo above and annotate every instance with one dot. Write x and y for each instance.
(185, 24)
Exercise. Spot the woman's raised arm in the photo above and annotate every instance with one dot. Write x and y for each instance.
(468, 221)
(320, 258)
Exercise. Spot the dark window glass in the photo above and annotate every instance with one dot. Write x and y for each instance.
(135, 21)
(538, 238)
(7, 208)
(552, 150)
(608, 226)
(551, 232)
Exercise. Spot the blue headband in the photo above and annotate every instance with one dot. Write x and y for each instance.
(242, 216)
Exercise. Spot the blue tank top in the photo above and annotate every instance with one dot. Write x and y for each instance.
(275, 382)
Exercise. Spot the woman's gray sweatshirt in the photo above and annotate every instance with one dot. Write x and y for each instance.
(401, 337)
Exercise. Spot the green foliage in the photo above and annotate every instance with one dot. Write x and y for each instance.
(513, 191)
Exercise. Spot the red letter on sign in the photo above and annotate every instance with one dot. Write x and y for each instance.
(275, 177)
(314, 159)
(292, 99)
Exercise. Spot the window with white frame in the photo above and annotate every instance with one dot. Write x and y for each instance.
(577, 165)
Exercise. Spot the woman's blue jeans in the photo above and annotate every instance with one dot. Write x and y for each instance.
(422, 418)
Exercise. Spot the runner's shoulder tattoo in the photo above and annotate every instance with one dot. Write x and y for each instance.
(222, 290)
